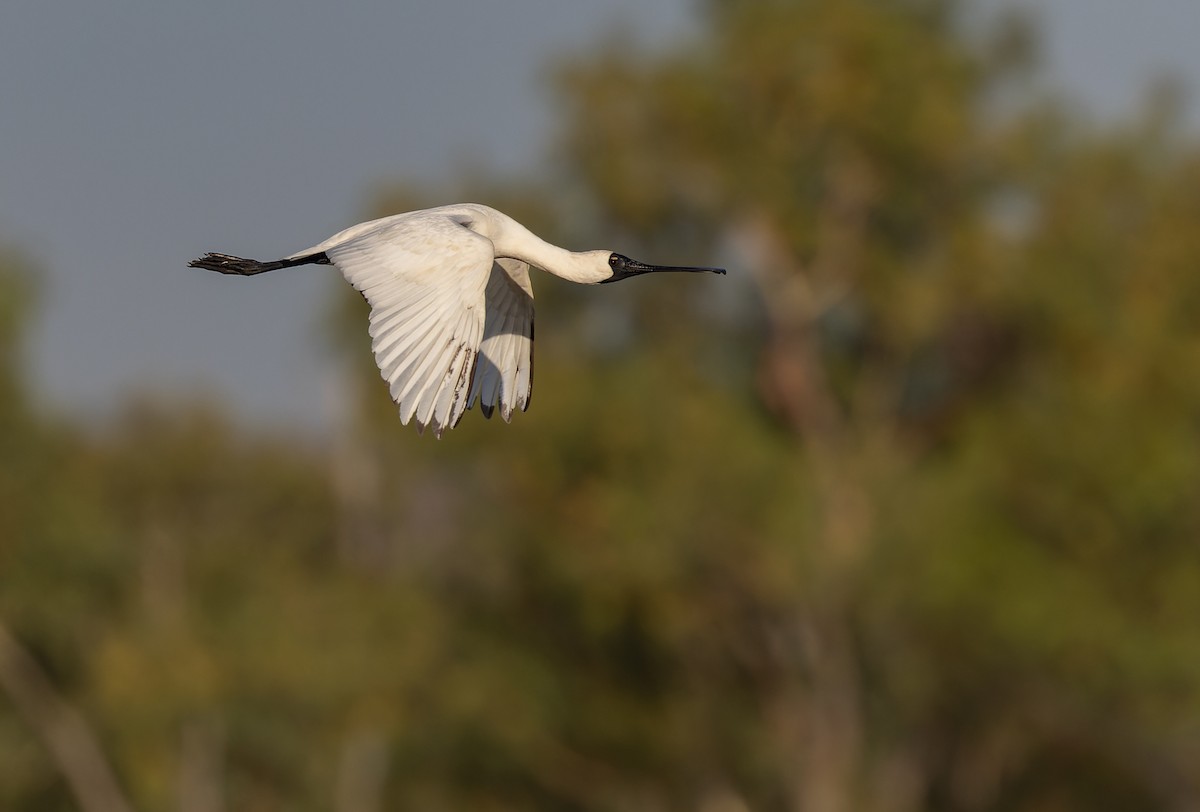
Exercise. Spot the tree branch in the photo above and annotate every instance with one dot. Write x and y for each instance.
(63, 730)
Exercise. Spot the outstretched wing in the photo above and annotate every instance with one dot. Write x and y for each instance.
(504, 369)
(424, 277)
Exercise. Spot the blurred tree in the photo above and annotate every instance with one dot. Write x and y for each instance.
(921, 262)
(841, 149)
(64, 732)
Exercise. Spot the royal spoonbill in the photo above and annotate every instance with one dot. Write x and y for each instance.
(451, 302)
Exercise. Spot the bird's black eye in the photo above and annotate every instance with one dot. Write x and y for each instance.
(612, 259)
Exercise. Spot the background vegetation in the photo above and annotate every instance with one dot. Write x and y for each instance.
(901, 515)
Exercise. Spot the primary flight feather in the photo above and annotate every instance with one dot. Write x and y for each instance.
(451, 302)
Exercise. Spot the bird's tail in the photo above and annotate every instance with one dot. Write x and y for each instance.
(224, 263)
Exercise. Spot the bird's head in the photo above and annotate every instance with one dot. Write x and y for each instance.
(623, 267)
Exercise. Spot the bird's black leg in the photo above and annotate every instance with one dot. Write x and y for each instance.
(240, 266)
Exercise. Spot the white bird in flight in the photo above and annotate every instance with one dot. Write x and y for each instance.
(451, 302)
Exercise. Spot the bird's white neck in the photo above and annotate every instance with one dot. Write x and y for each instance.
(514, 240)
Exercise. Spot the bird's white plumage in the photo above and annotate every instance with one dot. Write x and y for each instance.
(451, 302)
(504, 369)
(450, 321)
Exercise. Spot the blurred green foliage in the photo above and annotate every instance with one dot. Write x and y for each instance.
(900, 515)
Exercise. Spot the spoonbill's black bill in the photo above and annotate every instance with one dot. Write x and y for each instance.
(451, 302)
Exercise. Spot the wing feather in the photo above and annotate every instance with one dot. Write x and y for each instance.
(426, 376)
(433, 374)
(425, 279)
(444, 407)
(503, 373)
(406, 337)
(398, 308)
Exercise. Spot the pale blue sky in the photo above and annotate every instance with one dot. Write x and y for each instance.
(137, 135)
